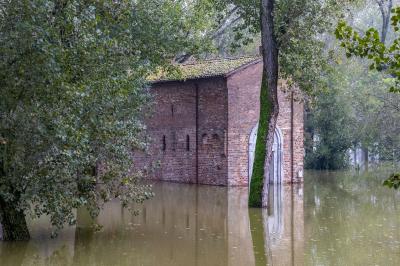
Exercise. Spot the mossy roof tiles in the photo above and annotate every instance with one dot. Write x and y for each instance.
(203, 69)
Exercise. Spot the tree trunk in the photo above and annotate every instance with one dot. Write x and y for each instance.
(268, 109)
(366, 155)
(385, 12)
(13, 223)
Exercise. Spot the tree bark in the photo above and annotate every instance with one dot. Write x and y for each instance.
(269, 109)
(13, 223)
(385, 12)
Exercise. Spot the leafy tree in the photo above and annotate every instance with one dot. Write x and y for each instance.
(382, 57)
(290, 37)
(369, 115)
(385, 58)
(73, 95)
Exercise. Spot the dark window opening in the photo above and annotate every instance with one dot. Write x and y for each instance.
(173, 141)
(187, 143)
(172, 110)
(164, 143)
(215, 137)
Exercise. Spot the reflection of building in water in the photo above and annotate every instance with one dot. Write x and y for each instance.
(284, 222)
(182, 225)
(275, 209)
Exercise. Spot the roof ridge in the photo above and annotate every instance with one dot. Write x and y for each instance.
(219, 59)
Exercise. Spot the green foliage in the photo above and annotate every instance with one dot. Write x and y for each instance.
(393, 181)
(365, 113)
(373, 112)
(73, 97)
(384, 58)
(257, 177)
(299, 28)
(329, 126)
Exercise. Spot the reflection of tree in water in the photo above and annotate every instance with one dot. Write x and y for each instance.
(360, 214)
(257, 235)
(182, 225)
(278, 231)
(27, 254)
(13, 253)
(60, 256)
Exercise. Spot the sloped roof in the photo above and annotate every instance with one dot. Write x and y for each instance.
(204, 69)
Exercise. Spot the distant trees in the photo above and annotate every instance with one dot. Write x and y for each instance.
(73, 95)
(371, 111)
(329, 131)
(356, 111)
(382, 57)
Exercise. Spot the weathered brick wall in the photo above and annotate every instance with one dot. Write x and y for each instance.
(243, 112)
(285, 124)
(243, 97)
(174, 119)
(213, 125)
(298, 144)
(226, 111)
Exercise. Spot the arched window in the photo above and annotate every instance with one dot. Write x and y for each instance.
(164, 143)
(216, 137)
(187, 143)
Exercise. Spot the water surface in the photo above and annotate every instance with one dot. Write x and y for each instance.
(333, 219)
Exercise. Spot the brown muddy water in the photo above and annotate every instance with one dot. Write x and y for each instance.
(333, 219)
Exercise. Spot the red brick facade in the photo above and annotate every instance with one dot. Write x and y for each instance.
(200, 129)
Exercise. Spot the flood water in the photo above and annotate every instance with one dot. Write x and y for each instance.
(333, 219)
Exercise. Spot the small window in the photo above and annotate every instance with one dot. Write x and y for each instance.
(173, 141)
(187, 143)
(172, 110)
(164, 143)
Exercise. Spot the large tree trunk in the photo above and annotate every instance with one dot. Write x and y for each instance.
(268, 109)
(13, 223)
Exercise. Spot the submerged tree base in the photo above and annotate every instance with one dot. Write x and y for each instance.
(13, 224)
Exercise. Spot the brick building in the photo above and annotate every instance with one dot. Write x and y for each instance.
(204, 126)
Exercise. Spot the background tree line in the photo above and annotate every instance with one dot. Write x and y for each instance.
(358, 109)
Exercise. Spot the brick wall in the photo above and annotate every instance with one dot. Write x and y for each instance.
(243, 113)
(212, 118)
(173, 120)
(172, 132)
(285, 124)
